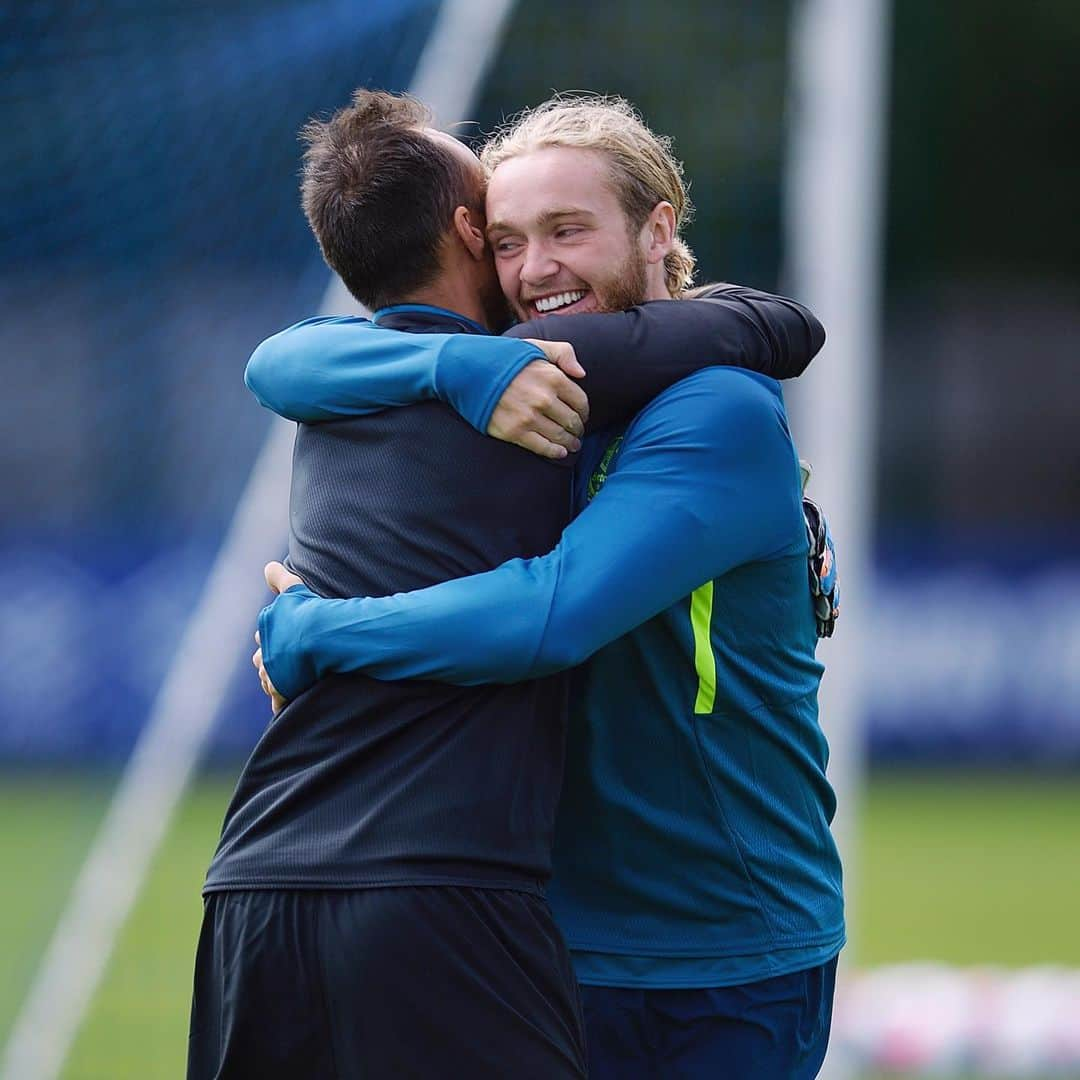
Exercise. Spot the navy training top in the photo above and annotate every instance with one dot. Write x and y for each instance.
(359, 782)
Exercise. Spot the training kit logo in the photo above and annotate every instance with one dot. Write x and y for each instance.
(599, 477)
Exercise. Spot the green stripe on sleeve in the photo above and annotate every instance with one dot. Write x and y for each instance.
(704, 660)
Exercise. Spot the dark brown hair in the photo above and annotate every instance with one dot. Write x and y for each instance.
(380, 194)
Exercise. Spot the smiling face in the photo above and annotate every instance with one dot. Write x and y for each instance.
(562, 241)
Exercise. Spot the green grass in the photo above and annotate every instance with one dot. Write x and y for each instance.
(960, 869)
(137, 1026)
(968, 870)
(46, 824)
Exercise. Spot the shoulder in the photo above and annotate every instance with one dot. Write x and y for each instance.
(331, 320)
(309, 331)
(716, 402)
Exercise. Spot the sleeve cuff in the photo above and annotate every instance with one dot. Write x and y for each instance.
(474, 373)
(287, 670)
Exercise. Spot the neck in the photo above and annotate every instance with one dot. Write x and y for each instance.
(656, 283)
(452, 296)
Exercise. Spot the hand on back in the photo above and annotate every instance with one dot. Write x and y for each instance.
(543, 410)
(279, 578)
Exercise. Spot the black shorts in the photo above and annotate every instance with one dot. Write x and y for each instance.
(418, 981)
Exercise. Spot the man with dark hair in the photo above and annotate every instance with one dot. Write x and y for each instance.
(378, 187)
(376, 903)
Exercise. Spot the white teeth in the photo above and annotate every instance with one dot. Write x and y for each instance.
(550, 303)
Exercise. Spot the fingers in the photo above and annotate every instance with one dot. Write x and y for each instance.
(533, 431)
(562, 361)
(264, 678)
(562, 355)
(541, 410)
(545, 389)
(280, 578)
(273, 572)
(556, 433)
(568, 363)
(537, 444)
(570, 410)
(277, 702)
(560, 389)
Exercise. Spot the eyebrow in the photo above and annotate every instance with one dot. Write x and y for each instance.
(545, 218)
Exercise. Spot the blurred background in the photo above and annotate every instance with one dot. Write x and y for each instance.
(150, 237)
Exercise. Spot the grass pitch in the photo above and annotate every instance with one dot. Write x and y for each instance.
(950, 867)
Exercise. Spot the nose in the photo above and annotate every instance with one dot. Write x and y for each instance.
(538, 265)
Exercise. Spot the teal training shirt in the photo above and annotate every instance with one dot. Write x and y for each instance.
(696, 765)
(693, 845)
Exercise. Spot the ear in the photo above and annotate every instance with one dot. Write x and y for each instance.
(658, 233)
(470, 232)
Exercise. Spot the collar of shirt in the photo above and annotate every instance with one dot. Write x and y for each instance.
(413, 316)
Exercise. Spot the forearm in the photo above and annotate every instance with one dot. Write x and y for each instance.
(481, 629)
(630, 357)
(613, 570)
(334, 368)
(523, 620)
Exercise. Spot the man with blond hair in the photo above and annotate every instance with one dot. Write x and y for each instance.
(638, 164)
(696, 879)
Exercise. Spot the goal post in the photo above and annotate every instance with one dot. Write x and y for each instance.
(833, 210)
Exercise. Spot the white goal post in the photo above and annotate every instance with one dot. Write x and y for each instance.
(833, 194)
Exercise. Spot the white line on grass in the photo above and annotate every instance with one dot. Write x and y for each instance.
(461, 47)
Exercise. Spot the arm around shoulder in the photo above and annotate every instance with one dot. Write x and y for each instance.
(338, 367)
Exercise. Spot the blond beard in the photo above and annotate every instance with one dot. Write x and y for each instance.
(625, 288)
